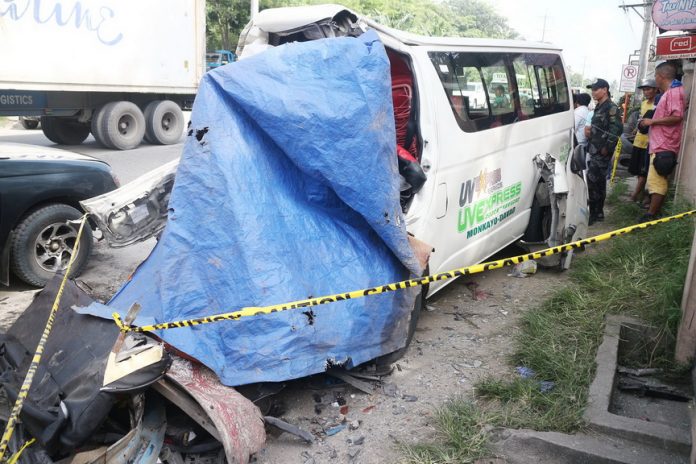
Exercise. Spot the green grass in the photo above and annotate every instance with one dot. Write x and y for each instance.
(462, 433)
(641, 275)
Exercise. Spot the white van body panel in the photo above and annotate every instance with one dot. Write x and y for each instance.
(481, 184)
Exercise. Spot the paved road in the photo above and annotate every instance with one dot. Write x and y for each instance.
(108, 268)
(127, 165)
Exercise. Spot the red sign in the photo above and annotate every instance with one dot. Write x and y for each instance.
(681, 46)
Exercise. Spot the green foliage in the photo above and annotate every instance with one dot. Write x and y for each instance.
(460, 18)
(641, 275)
(461, 427)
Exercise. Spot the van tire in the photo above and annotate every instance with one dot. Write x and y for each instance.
(164, 122)
(64, 131)
(538, 229)
(123, 125)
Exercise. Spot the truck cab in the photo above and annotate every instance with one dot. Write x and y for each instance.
(218, 58)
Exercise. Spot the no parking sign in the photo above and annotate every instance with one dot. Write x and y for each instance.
(629, 78)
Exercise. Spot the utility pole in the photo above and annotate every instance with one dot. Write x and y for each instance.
(543, 31)
(254, 8)
(647, 41)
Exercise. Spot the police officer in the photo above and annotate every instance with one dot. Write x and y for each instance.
(604, 135)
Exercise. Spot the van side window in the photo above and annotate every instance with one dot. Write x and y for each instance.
(487, 90)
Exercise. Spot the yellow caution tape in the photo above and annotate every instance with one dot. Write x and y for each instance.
(617, 155)
(15, 457)
(476, 268)
(26, 385)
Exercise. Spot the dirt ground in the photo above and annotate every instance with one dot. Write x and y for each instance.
(465, 333)
(460, 338)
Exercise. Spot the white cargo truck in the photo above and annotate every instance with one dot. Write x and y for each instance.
(121, 69)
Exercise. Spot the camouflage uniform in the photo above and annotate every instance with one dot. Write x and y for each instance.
(606, 130)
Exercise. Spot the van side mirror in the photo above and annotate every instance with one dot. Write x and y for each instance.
(579, 160)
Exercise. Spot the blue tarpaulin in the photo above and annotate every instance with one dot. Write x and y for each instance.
(288, 188)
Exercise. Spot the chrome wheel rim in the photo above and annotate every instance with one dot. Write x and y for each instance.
(54, 246)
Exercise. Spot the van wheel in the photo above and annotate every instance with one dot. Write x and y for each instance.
(64, 131)
(123, 125)
(539, 227)
(43, 242)
(164, 122)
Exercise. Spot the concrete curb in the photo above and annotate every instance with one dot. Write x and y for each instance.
(597, 412)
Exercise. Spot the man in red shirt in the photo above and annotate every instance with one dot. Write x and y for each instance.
(664, 136)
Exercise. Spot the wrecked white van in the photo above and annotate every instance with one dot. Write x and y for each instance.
(489, 121)
(484, 128)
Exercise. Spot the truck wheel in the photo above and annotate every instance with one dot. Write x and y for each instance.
(96, 127)
(164, 122)
(43, 242)
(64, 131)
(29, 124)
(123, 125)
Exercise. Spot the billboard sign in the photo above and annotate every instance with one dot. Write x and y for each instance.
(674, 15)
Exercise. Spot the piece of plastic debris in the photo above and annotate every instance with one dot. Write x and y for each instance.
(524, 269)
(525, 372)
(546, 386)
(356, 423)
(368, 409)
(344, 409)
(335, 404)
(357, 441)
(334, 430)
(290, 428)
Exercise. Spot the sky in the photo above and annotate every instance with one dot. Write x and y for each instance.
(595, 35)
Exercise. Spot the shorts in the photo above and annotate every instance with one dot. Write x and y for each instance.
(656, 183)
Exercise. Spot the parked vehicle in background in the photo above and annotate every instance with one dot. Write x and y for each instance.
(40, 191)
(103, 69)
(218, 58)
(30, 122)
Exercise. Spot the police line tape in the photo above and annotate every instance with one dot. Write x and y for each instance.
(36, 359)
(475, 269)
(617, 155)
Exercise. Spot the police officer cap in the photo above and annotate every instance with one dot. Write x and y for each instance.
(599, 84)
(647, 83)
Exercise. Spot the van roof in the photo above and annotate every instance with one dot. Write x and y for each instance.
(276, 20)
(409, 38)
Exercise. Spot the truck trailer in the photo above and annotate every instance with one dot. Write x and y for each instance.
(122, 70)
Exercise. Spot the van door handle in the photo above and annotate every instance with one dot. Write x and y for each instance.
(441, 201)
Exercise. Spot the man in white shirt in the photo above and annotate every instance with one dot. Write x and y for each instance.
(580, 102)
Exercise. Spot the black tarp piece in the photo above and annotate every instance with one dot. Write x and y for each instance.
(65, 406)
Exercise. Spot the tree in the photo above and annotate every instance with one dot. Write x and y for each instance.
(462, 18)
(576, 79)
(473, 18)
(225, 20)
